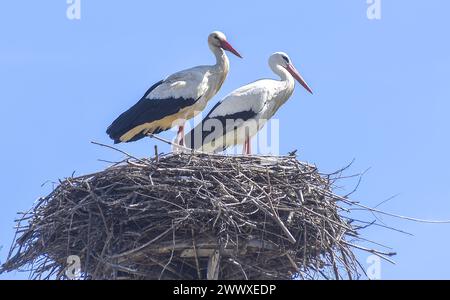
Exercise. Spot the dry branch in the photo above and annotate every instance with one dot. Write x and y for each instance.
(172, 216)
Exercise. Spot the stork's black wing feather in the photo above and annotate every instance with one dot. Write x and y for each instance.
(146, 111)
(192, 139)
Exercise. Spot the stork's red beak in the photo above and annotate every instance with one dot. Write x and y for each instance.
(226, 46)
(298, 77)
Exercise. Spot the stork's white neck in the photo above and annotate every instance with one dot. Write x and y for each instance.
(282, 72)
(220, 69)
(286, 78)
(222, 61)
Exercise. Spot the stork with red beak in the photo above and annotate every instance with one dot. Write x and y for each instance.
(241, 114)
(179, 97)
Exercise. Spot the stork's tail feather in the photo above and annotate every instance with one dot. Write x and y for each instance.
(117, 129)
(129, 119)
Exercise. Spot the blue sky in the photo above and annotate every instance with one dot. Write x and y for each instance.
(382, 96)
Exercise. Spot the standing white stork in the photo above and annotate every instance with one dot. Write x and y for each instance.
(241, 114)
(177, 98)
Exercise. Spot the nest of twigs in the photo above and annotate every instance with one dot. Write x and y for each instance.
(186, 216)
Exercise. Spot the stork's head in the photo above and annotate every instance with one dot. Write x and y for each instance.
(219, 40)
(282, 59)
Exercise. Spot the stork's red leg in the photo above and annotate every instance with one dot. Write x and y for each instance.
(249, 146)
(247, 149)
(180, 138)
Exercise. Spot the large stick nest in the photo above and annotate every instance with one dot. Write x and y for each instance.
(186, 216)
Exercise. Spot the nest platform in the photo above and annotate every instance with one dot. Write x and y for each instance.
(192, 216)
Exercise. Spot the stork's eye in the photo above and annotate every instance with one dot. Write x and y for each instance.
(286, 59)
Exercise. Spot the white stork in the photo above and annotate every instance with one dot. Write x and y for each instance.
(177, 98)
(241, 114)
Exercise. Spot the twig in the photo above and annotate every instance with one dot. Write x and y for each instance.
(118, 150)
